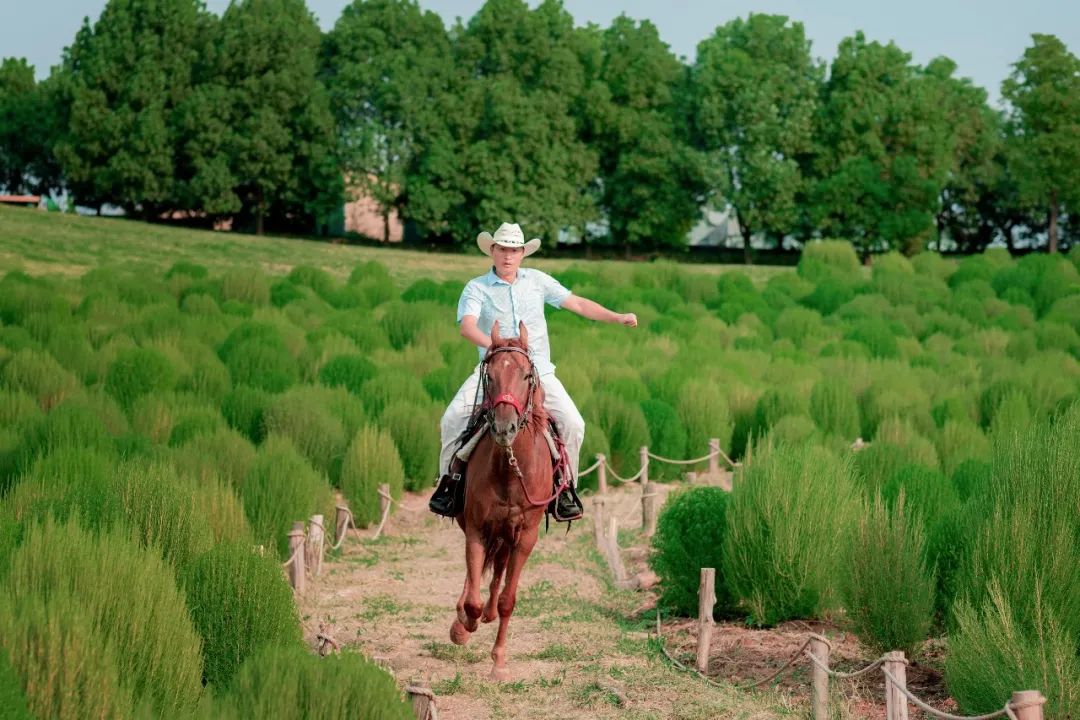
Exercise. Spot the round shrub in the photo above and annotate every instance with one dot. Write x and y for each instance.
(61, 668)
(690, 535)
(371, 460)
(70, 424)
(786, 527)
(774, 404)
(793, 430)
(348, 371)
(830, 294)
(798, 324)
(12, 698)
(245, 285)
(256, 355)
(244, 407)
(131, 596)
(223, 453)
(281, 488)
(403, 320)
(971, 478)
(668, 437)
(193, 423)
(239, 601)
(888, 589)
(834, 407)
(389, 386)
(823, 259)
(292, 684)
(312, 428)
(958, 441)
(626, 429)
(38, 374)
(875, 334)
(415, 429)
(139, 371)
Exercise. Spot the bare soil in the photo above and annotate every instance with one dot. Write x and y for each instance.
(579, 647)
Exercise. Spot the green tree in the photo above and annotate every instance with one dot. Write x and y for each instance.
(260, 134)
(885, 147)
(756, 90)
(118, 89)
(514, 147)
(651, 178)
(387, 65)
(1044, 142)
(27, 127)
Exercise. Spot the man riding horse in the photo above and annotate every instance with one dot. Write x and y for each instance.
(509, 295)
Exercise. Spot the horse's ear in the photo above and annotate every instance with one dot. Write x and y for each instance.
(523, 334)
(495, 333)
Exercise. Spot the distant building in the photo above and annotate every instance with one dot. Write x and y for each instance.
(363, 217)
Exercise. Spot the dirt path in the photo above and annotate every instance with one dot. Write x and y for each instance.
(578, 648)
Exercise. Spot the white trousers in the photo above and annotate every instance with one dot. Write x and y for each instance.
(557, 402)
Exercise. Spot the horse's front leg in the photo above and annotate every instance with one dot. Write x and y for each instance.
(469, 606)
(491, 609)
(508, 599)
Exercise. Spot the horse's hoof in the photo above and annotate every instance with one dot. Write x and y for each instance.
(458, 634)
(488, 617)
(500, 674)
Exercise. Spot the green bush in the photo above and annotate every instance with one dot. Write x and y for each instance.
(68, 482)
(793, 430)
(12, 698)
(72, 423)
(626, 430)
(887, 588)
(137, 372)
(834, 407)
(244, 408)
(774, 404)
(194, 423)
(132, 599)
(668, 438)
(786, 529)
(689, 536)
(371, 460)
(1031, 537)
(706, 414)
(246, 285)
(971, 478)
(64, 670)
(256, 355)
(824, 259)
(39, 375)
(312, 428)
(389, 386)
(281, 488)
(875, 334)
(224, 453)
(415, 429)
(292, 684)
(348, 371)
(238, 601)
(960, 441)
(992, 653)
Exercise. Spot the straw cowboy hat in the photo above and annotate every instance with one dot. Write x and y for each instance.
(508, 235)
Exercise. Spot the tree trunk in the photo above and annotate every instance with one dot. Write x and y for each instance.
(260, 211)
(748, 253)
(1052, 232)
(386, 225)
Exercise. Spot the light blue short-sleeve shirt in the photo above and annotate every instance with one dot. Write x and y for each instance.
(489, 298)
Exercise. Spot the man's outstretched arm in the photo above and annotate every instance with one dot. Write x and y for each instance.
(595, 311)
(471, 332)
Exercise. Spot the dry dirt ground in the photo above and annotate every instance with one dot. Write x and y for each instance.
(578, 647)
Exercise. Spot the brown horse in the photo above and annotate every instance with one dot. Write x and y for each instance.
(508, 485)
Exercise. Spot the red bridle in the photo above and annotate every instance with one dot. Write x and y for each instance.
(506, 398)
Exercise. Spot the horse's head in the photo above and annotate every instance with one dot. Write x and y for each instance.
(510, 381)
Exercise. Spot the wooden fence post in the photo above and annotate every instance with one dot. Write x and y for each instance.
(614, 558)
(819, 646)
(649, 503)
(706, 601)
(423, 700)
(315, 543)
(341, 524)
(1028, 704)
(601, 474)
(714, 456)
(296, 551)
(896, 706)
(598, 524)
(644, 465)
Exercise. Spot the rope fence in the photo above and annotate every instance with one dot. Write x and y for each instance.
(1023, 705)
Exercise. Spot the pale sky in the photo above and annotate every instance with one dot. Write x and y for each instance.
(983, 37)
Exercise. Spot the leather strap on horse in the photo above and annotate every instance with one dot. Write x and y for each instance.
(521, 479)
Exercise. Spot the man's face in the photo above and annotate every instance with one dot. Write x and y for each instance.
(507, 260)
